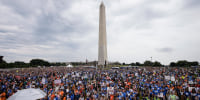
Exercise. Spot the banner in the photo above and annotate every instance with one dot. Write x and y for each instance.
(190, 82)
(167, 77)
(172, 78)
(110, 90)
(58, 81)
(43, 80)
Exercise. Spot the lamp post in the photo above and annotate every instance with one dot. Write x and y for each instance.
(95, 62)
(151, 62)
(105, 64)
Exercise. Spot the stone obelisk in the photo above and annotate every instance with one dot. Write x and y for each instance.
(102, 53)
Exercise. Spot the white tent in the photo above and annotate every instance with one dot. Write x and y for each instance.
(28, 94)
(69, 65)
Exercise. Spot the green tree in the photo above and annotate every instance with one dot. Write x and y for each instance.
(3, 63)
(20, 64)
(115, 63)
(132, 64)
(39, 62)
(182, 63)
(194, 63)
(148, 63)
(157, 64)
(1, 60)
(172, 64)
(137, 64)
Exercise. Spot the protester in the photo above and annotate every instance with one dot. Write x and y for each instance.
(145, 83)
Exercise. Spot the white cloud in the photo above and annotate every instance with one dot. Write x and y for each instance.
(67, 30)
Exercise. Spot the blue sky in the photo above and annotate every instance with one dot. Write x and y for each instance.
(67, 30)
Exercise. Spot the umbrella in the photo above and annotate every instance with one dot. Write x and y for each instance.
(69, 65)
(28, 94)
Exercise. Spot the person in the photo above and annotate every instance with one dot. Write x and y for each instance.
(182, 96)
(193, 94)
(198, 96)
(161, 94)
(173, 96)
(187, 93)
(64, 97)
(110, 91)
(88, 84)
(52, 96)
(3, 95)
(132, 96)
(146, 97)
(81, 97)
(120, 96)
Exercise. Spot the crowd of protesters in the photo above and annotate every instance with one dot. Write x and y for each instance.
(145, 83)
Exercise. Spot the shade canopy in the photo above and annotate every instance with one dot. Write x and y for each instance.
(28, 94)
(69, 65)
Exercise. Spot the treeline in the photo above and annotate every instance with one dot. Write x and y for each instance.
(184, 63)
(146, 63)
(32, 63)
(88, 63)
(180, 63)
(41, 62)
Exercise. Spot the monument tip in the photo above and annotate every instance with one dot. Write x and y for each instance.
(102, 4)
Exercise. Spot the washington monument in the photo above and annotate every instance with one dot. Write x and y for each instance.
(102, 53)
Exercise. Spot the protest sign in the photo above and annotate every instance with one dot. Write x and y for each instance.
(172, 78)
(167, 77)
(58, 81)
(43, 80)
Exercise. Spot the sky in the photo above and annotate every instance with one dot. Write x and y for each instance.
(67, 30)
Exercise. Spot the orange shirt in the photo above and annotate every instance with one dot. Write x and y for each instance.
(111, 97)
(52, 96)
(180, 87)
(172, 88)
(76, 92)
(64, 98)
(3, 96)
(126, 86)
(61, 93)
(168, 86)
(129, 83)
